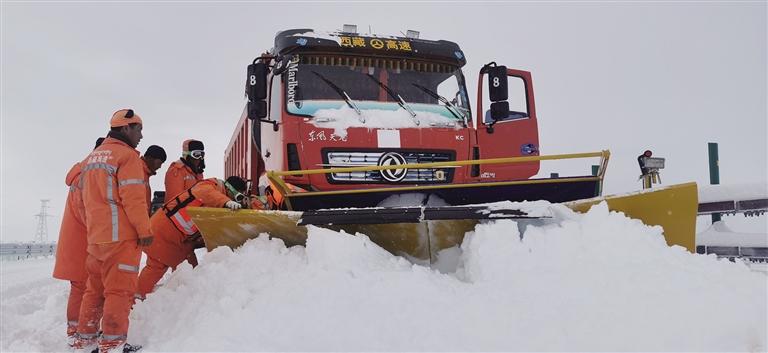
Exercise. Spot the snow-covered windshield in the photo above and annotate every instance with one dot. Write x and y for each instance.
(322, 82)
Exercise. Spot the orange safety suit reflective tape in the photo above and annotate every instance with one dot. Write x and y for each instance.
(178, 179)
(169, 247)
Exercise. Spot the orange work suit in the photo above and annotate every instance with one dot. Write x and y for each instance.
(114, 195)
(71, 249)
(172, 245)
(179, 178)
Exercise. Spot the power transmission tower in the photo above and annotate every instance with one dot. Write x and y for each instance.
(41, 235)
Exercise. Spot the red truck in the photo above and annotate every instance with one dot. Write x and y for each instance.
(357, 107)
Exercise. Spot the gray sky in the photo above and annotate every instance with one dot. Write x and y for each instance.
(608, 75)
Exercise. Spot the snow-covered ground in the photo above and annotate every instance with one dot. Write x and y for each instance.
(732, 192)
(592, 282)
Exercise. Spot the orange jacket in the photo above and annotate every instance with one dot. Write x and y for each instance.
(178, 178)
(114, 194)
(169, 246)
(71, 247)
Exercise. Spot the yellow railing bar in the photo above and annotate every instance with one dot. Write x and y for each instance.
(275, 176)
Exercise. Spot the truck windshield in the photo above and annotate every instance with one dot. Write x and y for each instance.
(307, 93)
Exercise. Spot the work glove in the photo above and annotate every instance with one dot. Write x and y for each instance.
(145, 240)
(232, 205)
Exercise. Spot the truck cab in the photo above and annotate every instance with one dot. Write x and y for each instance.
(331, 100)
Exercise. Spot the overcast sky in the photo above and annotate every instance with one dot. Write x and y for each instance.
(608, 75)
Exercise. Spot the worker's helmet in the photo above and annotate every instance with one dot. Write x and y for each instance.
(124, 117)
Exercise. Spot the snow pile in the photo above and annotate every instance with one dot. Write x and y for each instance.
(732, 192)
(32, 307)
(718, 234)
(592, 282)
(345, 117)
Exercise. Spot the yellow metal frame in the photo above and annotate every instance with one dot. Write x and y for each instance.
(276, 176)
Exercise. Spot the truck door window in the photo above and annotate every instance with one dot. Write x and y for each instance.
(274, 98)
(518, 100)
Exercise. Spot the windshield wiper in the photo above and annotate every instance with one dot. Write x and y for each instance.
(343, 94)
(398, 98)
(448, 105)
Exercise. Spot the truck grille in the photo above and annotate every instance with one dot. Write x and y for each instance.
(340, 159)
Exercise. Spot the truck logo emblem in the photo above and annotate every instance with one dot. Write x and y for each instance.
(392, 158)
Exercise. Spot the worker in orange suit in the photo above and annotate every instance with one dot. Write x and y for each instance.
(114, 196)
(176, 236)
(71, 249)
(153, 158)
(185, 172)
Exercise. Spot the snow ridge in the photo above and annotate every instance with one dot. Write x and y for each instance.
(593, 282)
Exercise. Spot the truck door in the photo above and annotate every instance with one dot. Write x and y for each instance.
(512, 136)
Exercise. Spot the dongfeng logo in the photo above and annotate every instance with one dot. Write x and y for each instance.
(390, 159)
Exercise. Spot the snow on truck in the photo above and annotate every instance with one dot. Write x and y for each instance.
(378, 135)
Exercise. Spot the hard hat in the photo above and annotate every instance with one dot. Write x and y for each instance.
(124, 117)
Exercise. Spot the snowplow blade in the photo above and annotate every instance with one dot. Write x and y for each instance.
(672, 207)
(418, 233)
(222, 227)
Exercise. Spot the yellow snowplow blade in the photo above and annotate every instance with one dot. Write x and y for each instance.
(222, 227)
(672, 207)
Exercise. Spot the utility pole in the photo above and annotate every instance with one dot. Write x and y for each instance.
(41, 235)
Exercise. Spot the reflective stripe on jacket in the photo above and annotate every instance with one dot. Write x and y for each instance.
(114, 193)
(206, 193)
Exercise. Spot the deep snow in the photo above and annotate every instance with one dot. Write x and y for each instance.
(592, 282)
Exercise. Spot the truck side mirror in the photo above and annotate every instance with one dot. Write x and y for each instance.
(497, 83)
(257, 110)
(499, 110)
(256, 84)
(498, 92)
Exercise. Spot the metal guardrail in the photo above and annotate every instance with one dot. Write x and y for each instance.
(18, 251)
(753, 254)
(754, 207)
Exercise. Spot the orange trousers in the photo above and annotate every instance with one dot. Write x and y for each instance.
(113, 269)
(168, 250)
(76, 291)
